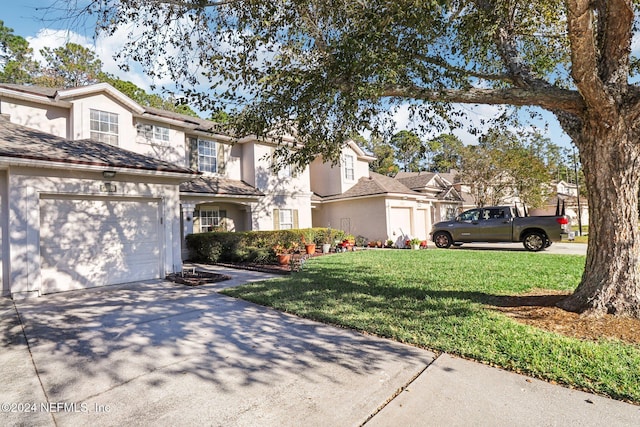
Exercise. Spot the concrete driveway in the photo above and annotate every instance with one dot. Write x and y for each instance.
(162, 354)
(159, 353)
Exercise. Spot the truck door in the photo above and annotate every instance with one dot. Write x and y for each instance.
(495, 225)
(467, 226)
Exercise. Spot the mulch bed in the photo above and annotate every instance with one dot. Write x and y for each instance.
(198, 278)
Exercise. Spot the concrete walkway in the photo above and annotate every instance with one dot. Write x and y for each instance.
(158, 353)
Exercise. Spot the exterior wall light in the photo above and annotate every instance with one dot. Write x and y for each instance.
(109, 174)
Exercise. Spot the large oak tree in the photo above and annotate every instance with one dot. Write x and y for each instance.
(325, 68)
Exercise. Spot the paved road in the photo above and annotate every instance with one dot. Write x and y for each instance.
(565, 248)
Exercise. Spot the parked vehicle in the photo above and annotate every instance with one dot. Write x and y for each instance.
(501, 224)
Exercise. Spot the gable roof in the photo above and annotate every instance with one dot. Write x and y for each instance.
(63, 96)
(414, 180)
(30, 147)
(373, 185)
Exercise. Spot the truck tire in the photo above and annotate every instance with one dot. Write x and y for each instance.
(534, 241)
(442, 239)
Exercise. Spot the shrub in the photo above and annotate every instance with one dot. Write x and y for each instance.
(250, 246)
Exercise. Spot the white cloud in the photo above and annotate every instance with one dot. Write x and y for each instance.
(104, 47)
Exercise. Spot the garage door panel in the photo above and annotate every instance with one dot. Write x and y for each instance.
(96, 242)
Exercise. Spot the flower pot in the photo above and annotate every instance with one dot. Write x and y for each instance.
(311, 249)
(415, 246)
(326, 248)
(284, 259)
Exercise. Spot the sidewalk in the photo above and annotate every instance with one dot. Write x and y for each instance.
(157, 353)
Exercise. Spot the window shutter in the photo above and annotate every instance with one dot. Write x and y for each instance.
(295, 218)
(276, 219)
(192, 155)
(223, 221)
(222, 156)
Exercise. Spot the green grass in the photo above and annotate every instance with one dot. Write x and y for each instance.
(439, 300)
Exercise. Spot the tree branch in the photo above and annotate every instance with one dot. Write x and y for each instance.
(190, 5)
(615, 17)
(583, 54)
(553, 99)
(459, 70)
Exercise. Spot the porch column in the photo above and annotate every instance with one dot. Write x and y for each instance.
(187, 214)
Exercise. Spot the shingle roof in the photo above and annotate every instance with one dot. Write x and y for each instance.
(37, 90)
(195, 123)
(220, 186)
(374, 184)
(416, 180)
(20, 142)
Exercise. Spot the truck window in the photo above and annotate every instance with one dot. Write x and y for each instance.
(494, 213)
(472, 215)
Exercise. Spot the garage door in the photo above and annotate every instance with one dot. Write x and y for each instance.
(400, 220)
(96, 242)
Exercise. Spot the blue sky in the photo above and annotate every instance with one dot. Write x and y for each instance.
(28, 21)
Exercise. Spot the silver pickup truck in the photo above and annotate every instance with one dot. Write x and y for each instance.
(500, 224)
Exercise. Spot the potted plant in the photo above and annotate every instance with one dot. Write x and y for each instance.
(415, 243)
(328, 238)
(308, 240)
(283, 252)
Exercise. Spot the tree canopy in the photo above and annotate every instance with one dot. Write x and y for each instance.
(323, 69)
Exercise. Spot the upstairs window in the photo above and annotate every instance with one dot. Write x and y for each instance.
(207, 156)
(284, 172)
(159, 134)
(103, 126)
(349, 169)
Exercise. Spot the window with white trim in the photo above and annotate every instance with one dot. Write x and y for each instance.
(103, 126)
(210, 220)
(207, 156)
(159, 134)
(284, 172)
(286, 219)
(349, 168)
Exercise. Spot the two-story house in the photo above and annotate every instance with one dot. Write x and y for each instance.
(105, 198)
(374, 206)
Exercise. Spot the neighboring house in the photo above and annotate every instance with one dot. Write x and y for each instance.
(379, 208)
(237, 190)
(81, 213)
(567, 193)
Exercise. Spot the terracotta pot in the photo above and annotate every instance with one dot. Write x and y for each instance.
(311, 249)
(284, 259)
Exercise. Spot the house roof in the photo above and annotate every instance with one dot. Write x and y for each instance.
(374, 184)
(219, 186)
(20, 142)
(64, 94)
(415, 180)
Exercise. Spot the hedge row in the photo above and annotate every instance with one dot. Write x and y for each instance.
(254, 246)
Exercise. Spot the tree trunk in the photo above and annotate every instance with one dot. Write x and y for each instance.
(610, 155)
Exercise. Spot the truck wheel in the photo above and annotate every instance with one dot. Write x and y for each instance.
(534, 241)
(442, 239)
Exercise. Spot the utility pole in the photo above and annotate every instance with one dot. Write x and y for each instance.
(575, 169)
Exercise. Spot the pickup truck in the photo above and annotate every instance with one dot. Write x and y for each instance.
(500, 224)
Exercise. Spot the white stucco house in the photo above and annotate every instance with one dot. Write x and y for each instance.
(96, 189)
(81, 213)
(379, 208)
(174, 175)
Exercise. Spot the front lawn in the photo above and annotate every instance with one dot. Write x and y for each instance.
(441, 300)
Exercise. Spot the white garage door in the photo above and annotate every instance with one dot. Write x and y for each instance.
(96, 242)
(400, 220)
